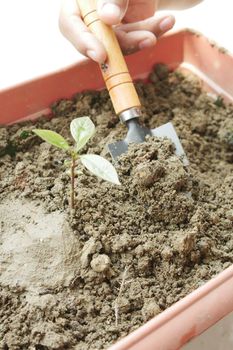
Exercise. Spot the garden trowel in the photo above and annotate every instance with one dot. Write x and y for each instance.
(121, 87)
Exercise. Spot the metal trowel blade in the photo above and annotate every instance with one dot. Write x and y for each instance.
(137, 133)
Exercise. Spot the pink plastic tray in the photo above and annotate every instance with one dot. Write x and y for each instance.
(208, 304)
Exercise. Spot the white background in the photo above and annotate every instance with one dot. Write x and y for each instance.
(31, 44)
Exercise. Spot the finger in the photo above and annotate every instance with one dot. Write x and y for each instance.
(135, 40)
(73, 28)
(156, 25)
(112, 11)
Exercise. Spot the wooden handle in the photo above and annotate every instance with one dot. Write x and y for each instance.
(114, 70)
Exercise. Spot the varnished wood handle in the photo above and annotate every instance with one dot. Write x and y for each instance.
(115, 71)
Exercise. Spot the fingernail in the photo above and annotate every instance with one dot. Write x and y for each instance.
(145, 43)
(111, 10)
(166, 23)
(92, 55)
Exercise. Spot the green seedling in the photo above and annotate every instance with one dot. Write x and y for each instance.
(82, 129)
(24, 134)
(219, 102)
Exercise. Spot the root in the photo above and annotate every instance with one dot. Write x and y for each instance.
(116, 307)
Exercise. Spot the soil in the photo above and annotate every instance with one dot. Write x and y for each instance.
(81, 280)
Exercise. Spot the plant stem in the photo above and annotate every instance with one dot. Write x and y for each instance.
(72, 182)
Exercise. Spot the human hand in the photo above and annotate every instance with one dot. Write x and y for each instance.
(135, 23)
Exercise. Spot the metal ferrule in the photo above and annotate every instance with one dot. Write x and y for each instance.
(129, 114)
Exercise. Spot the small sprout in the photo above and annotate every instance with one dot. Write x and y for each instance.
(219, 102)
(82, 129)
(24, 135)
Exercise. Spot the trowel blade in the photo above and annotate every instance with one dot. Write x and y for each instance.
(167, 130)
(164, 131)
(118, 148)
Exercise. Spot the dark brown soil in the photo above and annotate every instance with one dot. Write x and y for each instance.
(165, 232)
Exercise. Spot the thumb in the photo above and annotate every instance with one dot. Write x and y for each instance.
(111, 12)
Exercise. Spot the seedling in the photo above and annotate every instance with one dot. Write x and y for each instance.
(25, 134)
(82, 129)
(219, 102)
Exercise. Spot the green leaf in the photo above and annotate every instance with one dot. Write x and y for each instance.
(82, 129)
(100, 167)
(53, 138)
